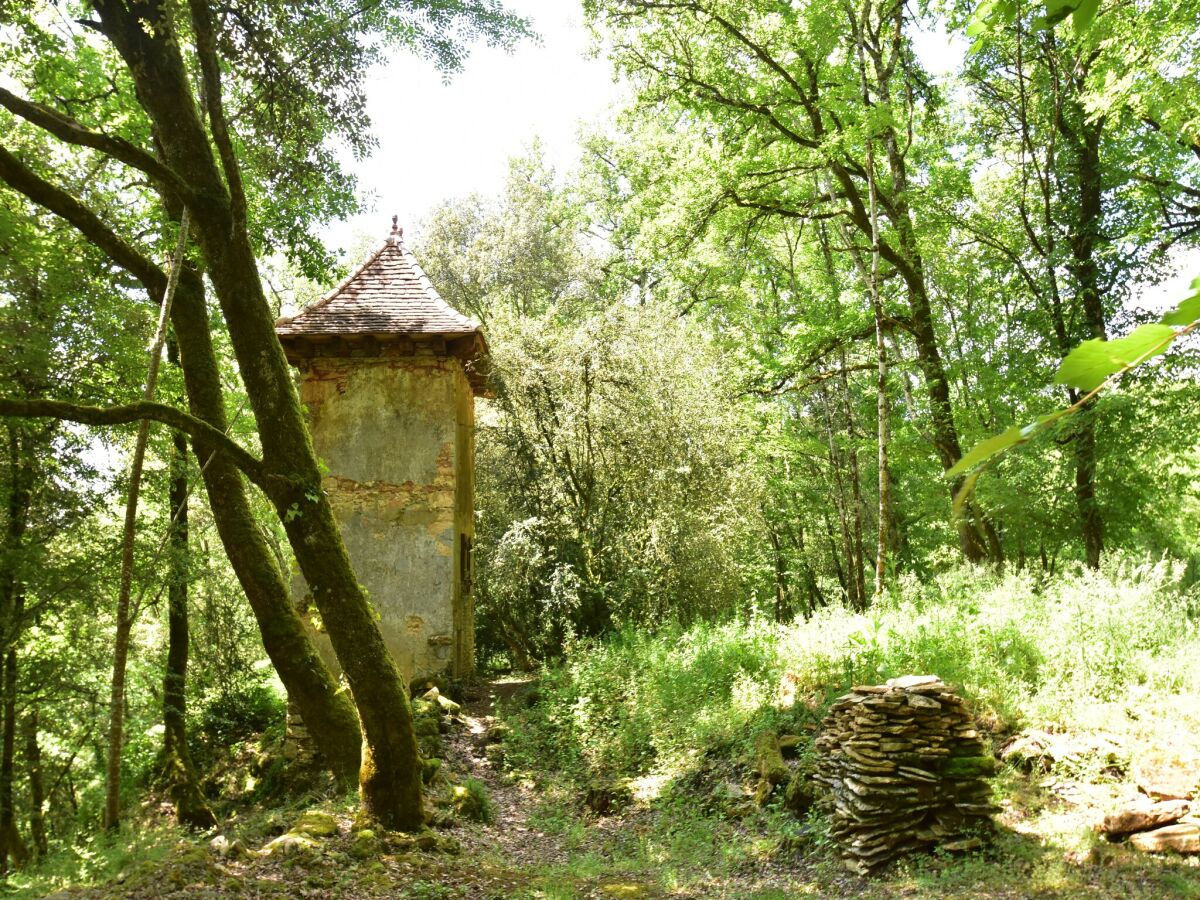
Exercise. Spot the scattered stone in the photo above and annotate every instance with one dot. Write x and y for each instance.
(315, 823)
(291, 844)
(966, 845)
(443, 703)
(1183, 837)
(1142, 815)
(365, 844)
(1039, 750)
(904, 769)
(224, 848)
(1166, 775)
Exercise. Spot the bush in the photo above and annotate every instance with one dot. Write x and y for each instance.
(641, 702)
(232, 716)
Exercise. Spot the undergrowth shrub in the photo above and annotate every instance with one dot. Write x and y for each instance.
(641, 702)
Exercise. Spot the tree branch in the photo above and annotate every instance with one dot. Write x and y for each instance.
(25, 181)
(198, 429)
(67, 129)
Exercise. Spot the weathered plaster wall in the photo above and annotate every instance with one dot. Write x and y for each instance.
(396, 435)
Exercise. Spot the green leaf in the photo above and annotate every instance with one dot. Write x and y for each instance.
(964, 493)
(1188, 311)
(1057, 10)
(1092, 362)
(1084, 15)
(986, 449)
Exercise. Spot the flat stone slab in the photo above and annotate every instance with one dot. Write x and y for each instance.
(1143, 815)
(1167, 775)
(1181, 838)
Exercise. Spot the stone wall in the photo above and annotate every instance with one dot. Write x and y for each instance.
(396, 434)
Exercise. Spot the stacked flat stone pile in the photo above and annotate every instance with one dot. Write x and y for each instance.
(905, 770)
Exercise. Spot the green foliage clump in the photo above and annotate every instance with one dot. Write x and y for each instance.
(231, 716)
(1017, 648)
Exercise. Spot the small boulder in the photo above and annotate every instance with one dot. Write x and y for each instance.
(224, 848)
(769, 758)
(291, 844)
(608, 797)
(315, 823)
(1183, 837)
(1167, 775)
(1142, 815)
(365, 844)
(800, 794)
(790, 745)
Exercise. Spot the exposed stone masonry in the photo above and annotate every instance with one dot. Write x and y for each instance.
(904, 769)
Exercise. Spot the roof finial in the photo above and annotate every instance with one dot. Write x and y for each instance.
(397, 231)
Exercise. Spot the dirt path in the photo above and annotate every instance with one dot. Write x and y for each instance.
(521, 838)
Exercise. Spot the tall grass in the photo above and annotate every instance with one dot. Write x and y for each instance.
(1020, 648)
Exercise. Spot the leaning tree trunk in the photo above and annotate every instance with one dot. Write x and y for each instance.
(328, 712)
(148, 42)
(125, 612)
(174, 763)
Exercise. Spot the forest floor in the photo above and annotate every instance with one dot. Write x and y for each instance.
(543, 842)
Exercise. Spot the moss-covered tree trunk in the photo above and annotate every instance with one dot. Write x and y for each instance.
(148, 42)
(328, 712)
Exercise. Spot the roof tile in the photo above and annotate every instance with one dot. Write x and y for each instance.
(387, 294)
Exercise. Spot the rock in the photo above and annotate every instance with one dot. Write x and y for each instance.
(1167, 775)
(1042, 750)
(430, 768)
(1181, 838)
(471, 801)
(790, 745)
(800, 794)
(966, 845)
(1029, 750)
(917, 701)
(291, 844)
(443, 703)
(315, 823)
(911, 681)
(365, 844)
(226, 849)
(769, 758)
(1142, 815)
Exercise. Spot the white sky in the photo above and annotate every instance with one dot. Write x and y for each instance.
(438, 141)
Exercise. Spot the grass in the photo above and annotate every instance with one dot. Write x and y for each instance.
(1114, 653)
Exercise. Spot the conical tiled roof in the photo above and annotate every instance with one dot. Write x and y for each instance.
(386, 295)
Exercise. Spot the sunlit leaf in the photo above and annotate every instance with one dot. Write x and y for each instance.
(1092, 362)
(1188, 311)
(986, 449)
(964, 492)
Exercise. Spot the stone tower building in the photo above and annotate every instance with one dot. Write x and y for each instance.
(389, 374)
